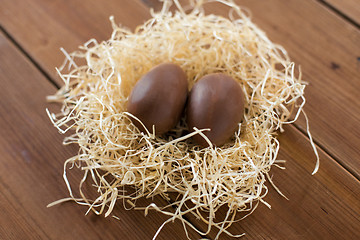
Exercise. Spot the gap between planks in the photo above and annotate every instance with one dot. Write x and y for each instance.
(347, 17)
(28, 56)
(53, 82)
(57, 86)
(327, 69)
(156, 4)
(50, 79)
(149, 4)
(328, 153)
(33, 116)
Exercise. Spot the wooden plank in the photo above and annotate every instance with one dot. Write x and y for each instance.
(31, 163)
(323, 206)
(42, 27)
(290, 219)
(350, 8)
(327, 48)
(317, 208)
(325, 45)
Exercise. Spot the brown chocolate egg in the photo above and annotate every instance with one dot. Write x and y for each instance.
(216, 101)
(159, 97)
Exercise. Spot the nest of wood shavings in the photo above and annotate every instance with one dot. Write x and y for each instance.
(115, 156)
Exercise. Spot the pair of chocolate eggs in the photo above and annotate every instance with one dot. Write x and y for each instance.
(216, 102)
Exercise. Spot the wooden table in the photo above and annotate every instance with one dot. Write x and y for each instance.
(321, 35)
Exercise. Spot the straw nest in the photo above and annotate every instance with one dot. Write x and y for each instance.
(116, 156)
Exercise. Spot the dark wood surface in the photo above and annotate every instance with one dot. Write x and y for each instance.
(349, 9)
(321, 36)
(31, 166)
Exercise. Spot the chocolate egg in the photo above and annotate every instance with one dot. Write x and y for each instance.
(216, 101)
(159, 97)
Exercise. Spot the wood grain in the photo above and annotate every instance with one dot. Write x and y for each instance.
(327, 49)
(322, 43)
(42, 27)
(31, 165)
(315, 209)
(323, 206)
(350, 8)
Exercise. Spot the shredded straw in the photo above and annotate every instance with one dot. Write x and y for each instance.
(116, 156)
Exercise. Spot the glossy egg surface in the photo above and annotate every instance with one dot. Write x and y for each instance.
(216, 101)
(159, 97)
